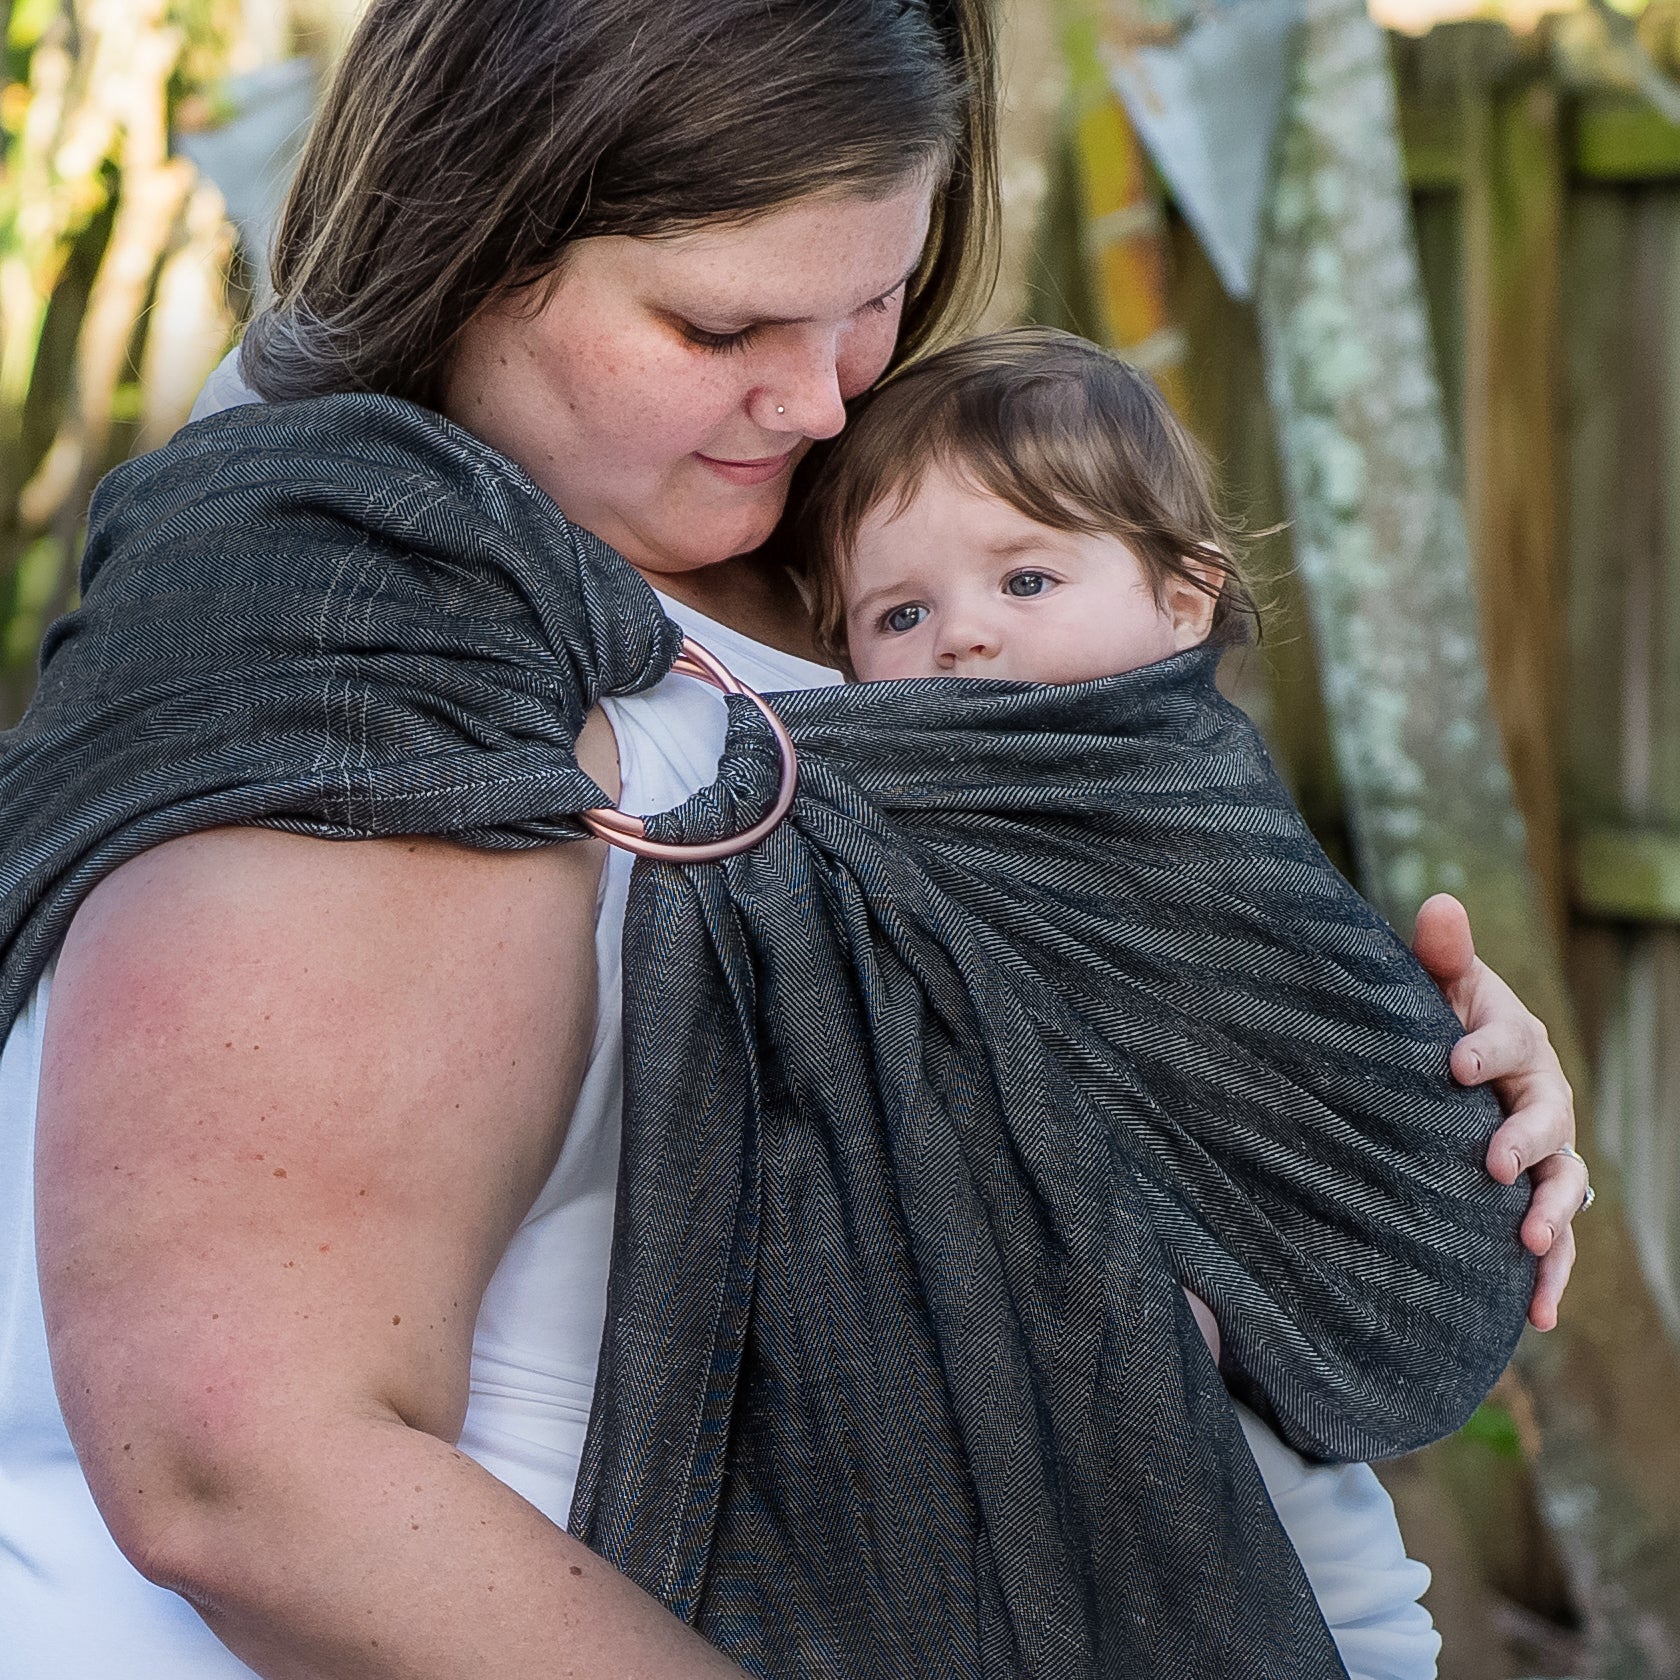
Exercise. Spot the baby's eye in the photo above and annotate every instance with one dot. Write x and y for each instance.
(904, 618)
(1024, 584)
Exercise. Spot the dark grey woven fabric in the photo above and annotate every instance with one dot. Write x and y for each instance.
(1040, 1002)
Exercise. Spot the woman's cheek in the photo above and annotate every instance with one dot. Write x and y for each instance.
(693, 403)
(866, 350)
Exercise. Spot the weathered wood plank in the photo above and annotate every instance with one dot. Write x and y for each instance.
(1639, 1096)
(1662, 801)
(1438, 222)
(1610, 138)
(1643, 512)
(1432, 139)
(1621, 139)
(1608, 493)
(1513, 221)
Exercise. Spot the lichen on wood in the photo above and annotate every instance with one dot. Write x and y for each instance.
(1379, 534)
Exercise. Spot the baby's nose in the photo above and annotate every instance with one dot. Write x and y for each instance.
(967, 642)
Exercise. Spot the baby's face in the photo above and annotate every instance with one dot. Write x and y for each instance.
(960, 584)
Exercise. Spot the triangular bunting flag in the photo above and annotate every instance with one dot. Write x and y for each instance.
(1208, 107)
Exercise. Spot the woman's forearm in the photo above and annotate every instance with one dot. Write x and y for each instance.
(369, 1549)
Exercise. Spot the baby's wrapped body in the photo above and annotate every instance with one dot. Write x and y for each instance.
(1040, 1002)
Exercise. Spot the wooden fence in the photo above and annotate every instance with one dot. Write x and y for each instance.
(1547, 215)
(1552, 227)
(1548, 224)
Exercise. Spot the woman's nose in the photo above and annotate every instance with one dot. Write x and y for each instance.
(803, 396)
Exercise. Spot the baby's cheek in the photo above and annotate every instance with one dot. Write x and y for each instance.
(1109, 644)
(876, 660)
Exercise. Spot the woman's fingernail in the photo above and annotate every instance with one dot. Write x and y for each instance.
(1475, 1064)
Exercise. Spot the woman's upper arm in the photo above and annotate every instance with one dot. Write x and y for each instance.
(296, 1096)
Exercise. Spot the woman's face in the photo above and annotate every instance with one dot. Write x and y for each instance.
(667, 387)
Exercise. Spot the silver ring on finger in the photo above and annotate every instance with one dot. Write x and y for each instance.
(1574, 1154)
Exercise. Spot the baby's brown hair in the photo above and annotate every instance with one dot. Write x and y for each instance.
(1064, 432)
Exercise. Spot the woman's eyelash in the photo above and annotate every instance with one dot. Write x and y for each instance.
(721, 343)
(725, 343)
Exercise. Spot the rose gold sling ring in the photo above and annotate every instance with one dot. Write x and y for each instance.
(618, 828)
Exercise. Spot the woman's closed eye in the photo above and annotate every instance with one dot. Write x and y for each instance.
(726, 342)
(721, 343)
(897, 620)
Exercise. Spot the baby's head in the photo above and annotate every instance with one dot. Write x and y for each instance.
(1023, 506)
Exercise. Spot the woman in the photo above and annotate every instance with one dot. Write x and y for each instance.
(324, 1136)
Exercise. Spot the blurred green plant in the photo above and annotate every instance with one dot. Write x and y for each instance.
(118, 278)
(1492, 1427)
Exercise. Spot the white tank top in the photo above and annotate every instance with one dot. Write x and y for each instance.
(539, 1330)
(72, 1608)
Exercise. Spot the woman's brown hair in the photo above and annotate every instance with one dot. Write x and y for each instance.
(1066, 433)
(464, 144)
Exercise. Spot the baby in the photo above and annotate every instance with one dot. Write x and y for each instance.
(1026, 506)
(1022, 506)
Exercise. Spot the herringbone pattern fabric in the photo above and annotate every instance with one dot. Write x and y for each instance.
(1041, 1001)
(1123, 1025)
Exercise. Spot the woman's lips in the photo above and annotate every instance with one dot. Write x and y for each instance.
(748, 472)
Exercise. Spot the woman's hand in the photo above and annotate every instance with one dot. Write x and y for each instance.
(1506, 1047)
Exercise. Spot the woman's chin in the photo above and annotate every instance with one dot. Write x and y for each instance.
(712, 542)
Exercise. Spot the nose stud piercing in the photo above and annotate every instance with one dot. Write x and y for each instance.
(780, 409)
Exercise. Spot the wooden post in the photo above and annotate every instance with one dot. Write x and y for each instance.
(1384, 550)
(1513, 458)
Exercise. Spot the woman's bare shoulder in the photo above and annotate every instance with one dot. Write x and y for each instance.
(366, 910)
(255, 867)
